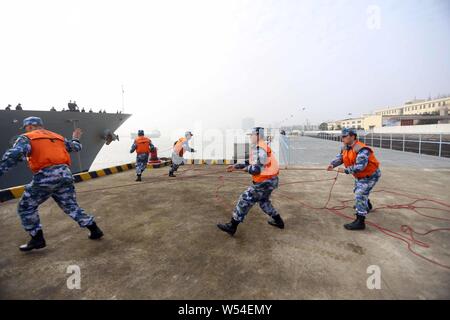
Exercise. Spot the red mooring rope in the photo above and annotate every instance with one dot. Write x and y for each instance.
(406, 236)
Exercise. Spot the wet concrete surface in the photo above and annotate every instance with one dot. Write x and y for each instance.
(161, 240)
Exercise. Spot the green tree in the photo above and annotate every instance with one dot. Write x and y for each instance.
(323, 126)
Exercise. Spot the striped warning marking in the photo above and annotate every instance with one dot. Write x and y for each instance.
(16, 192)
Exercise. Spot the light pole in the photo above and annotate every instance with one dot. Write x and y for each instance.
(123, 100)
(303, 109)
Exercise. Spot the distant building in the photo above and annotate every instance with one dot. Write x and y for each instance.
(390, 111)
(372, 121)
(333, 125)
(355, 123)
(417, 107)
(414, 112)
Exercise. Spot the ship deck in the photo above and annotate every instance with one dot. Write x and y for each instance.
(161, 240)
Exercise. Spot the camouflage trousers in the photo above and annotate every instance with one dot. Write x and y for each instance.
(58, 184)
(362, 190)
(141, 162)
(174, 167)
(257, 193)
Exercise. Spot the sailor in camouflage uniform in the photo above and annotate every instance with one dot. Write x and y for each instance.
(179, 148)
(359, 160)
(48, 157)
(264, 169)
(143, 146)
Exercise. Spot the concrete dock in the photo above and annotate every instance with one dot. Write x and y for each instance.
(161, 239)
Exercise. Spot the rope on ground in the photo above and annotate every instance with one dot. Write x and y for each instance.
(408, 233)
(180, 175)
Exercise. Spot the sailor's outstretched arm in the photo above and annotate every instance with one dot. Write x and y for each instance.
(133, 147)
(20, 150)
(337, 161)
(73, 145)
(255, 167)
(186, 147)
(258, 164)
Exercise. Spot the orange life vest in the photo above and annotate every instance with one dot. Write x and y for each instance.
(142, 144)
(178, 148)
(270, 169)
(47, 149)
(349, 159)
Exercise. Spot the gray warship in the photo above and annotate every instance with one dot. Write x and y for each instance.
(98, 130)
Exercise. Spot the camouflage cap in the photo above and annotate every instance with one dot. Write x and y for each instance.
(348, 131)
(258, 131)
(32, 121)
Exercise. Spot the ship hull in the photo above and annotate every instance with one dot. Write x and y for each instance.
(94, 126)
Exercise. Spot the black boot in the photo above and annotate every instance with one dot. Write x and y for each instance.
(138, 177)
(358, 224)
(96, 233)
(276, 221)
(36, 242)
(229, 227)
(171, 174)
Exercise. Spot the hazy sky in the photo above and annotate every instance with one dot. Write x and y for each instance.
(216, 62)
